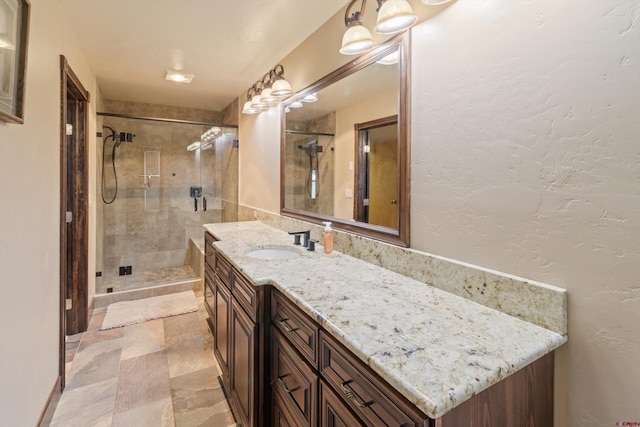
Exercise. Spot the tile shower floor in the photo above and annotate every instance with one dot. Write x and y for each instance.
(160, 373)
(148, 279)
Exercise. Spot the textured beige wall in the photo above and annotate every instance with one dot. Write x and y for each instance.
(29, 230)
(259, 160)
(525, 160)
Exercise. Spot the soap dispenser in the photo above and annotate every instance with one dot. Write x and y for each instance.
(327, 238)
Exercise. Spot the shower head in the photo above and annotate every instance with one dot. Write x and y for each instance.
(309, 147)
(119, 138)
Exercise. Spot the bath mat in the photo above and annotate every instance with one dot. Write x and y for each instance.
(131, 312)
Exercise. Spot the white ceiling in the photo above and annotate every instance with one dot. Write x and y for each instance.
(227, 44)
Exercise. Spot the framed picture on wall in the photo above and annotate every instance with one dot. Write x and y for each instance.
(14, 33)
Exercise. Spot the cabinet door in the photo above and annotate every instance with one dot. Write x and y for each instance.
(210, 300)
(242, 365)
(333, 412)
(221, 323)
(294, 380)
(281, 416)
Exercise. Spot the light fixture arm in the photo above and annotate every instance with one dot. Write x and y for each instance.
(354, 18)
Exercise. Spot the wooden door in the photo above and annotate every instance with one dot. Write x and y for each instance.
(74, 314)
(383, 183)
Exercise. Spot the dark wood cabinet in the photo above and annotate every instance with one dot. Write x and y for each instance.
(242, 366)
(294, 380)
(241, 340)
(333, 412)
(221, 323)
(281, 368)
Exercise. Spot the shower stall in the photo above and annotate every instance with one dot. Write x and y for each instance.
(160, 180)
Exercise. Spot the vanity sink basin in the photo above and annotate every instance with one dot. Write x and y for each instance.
(281, 252)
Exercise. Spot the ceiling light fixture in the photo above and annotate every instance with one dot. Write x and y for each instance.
(393, 16)
(179, 76)
(267, 92)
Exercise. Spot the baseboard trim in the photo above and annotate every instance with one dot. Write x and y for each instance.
(50, 406)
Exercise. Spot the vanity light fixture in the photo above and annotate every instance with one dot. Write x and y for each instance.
(267, 92)
(211, 134)
(179, 77)
(393, 16)
(296, 104)
(280, 87)
(194, 146)
(435, 2)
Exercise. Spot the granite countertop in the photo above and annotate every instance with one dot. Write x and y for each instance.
(435, 348)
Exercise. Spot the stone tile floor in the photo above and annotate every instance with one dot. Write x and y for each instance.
(160, 373)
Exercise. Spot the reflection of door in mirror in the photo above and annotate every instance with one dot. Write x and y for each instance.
(377, 172)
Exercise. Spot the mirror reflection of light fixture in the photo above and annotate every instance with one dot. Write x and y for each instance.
(296, 104)
(390, 59)
(393, 16)
(435, 2)
(4, 44)
(312, 97)
(194, 146)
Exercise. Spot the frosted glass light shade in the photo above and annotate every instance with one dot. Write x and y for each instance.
(394, 16)
(390, 59)
(258, 103)
(435, 2)
(357, 39)
(281, 88)
(312, 97)
(267, 96)
(248, 109)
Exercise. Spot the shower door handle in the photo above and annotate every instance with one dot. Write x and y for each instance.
(195, 203)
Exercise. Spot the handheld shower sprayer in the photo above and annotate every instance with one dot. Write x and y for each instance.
(312, 149)
(117, 138)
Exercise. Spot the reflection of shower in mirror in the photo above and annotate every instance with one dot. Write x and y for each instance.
(311, 148)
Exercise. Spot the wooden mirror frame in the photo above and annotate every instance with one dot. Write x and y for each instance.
(401, 235)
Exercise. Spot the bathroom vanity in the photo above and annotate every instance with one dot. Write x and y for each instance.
(308, 339)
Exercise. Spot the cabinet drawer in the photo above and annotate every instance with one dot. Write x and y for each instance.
(374, 401)
(245, 294)
(299, 329)
(209, 252)
(294, 380)
(333, 411)
(223, 269)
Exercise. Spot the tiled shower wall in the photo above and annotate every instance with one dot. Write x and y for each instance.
(297, 168)
(151, 221)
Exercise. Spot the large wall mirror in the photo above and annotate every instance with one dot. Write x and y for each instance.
(345, 147)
